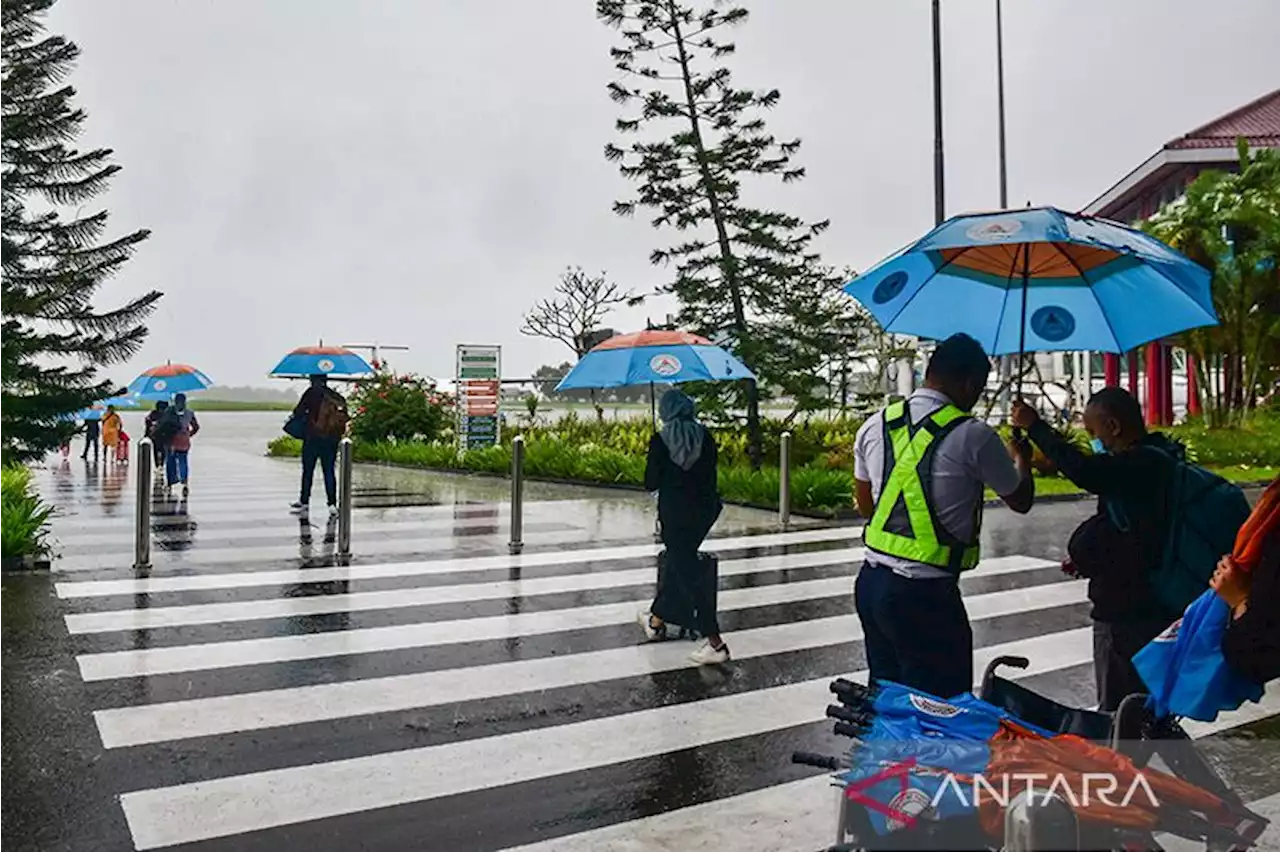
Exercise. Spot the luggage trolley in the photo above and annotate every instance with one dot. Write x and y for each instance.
(1131, 731)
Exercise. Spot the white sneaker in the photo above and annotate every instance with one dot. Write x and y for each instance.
(333, 511)
(705, 655)
(644, 620)
(186, 489)
(299, 508)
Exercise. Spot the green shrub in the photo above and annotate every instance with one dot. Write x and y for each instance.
(399, 408)
(284, 447)
(24, 517)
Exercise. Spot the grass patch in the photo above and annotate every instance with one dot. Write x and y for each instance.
(197, 404)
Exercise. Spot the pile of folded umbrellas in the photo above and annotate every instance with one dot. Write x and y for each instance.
(918, 757)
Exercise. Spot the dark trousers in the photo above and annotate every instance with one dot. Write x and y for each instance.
(915, 631)
(1114, 644)
(686, 596)
(90, 441)
(325, 451)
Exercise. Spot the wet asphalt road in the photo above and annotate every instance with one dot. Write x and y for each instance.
(247, 693)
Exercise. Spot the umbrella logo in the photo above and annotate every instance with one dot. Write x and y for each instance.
(889, 287)
(989, 232)
(160, 384)
(1053, 323)
(665, 364)
(325, 365)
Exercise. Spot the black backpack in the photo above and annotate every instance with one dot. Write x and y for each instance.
(166, 427)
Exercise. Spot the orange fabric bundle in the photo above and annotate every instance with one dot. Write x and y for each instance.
(1264, 520)
(1017, 752)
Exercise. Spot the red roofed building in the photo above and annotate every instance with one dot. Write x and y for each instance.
(1161, 178)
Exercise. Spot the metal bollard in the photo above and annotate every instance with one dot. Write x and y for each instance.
(1036, 821)
(142, 519)
(344, 498)
(784, 481)
(517, 495)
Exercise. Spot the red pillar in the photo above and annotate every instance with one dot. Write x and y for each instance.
(1193, 388)
(1133, 372)
(1166, 385)
(1111, 369)
(1153, 407)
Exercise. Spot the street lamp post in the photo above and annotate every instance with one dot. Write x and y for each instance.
(1004, 175)
(939, 194)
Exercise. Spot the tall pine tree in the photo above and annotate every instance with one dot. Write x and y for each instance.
(54, 337)
(745, 276)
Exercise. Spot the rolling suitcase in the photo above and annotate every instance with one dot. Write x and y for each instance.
(677, 602)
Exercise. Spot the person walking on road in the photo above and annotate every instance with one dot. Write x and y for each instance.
(177, 427)
(111, 427)
(154, 416)
(324, 413)
(92, 431)
(1127, 477)
(920, 468)
(681, 467)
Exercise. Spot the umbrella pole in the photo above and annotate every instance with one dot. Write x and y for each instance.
(1022, 329)
(1022, 326)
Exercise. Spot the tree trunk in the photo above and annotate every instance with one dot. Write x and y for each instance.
(728, 263)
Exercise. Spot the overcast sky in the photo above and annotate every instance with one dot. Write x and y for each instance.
(420, 171)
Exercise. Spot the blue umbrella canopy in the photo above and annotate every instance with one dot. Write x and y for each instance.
(1038, 280)
(164, 381)
(321, 360)
(662, 357)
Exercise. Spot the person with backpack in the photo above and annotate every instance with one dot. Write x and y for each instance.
(149, 431)
(1150, 548)
(177, 426)
(322, 413)
(681, 467)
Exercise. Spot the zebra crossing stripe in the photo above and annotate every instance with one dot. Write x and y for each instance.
(276, 708)
(206, 809)
(219, 613)
(213, 655)
(245, 579)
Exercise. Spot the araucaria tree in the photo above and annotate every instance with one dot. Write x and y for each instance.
(54, 336)
(746, 276)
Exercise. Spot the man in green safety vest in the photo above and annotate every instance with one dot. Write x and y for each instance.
(920, 468)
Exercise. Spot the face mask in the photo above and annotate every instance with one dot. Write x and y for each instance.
(1097, 446)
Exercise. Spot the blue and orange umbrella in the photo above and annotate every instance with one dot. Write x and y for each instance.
(653, 356)
(321, 360)
(164, 381)
(1038, 280)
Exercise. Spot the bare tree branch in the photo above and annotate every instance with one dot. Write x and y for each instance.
(579, 306)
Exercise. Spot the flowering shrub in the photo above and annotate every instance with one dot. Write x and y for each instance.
(399, 408)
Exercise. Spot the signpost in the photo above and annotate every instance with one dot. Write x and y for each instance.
(478, 377)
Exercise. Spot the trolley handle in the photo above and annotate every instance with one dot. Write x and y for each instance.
(822, 761)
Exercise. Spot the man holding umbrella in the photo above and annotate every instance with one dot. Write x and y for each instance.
(920, 468)
(322, 415)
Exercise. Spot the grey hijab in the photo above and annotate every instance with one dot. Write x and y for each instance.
(680, 431)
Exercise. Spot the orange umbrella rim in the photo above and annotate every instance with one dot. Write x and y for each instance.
(321, 350)
(652, 337)
(169, 370)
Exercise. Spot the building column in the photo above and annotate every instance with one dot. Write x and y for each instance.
(1166, 384)
(1133, 373)
(1193, 388)
(1153, 407)
(1111, 369)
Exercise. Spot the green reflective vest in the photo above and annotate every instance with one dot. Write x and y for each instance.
(905, 523)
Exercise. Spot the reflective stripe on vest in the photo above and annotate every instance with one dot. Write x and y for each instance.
(905, 521)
